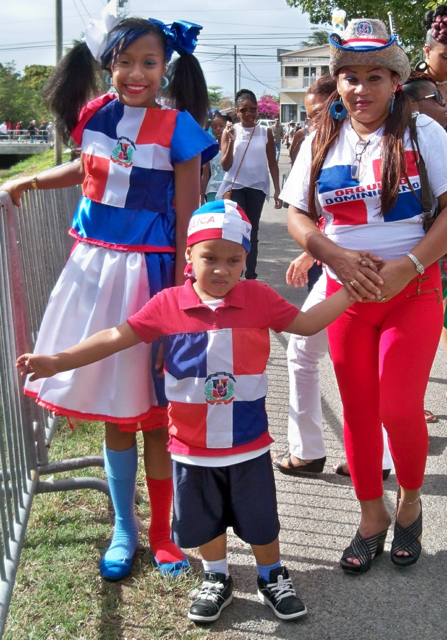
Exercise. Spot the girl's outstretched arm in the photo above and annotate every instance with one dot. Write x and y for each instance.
(97, 347)
(307, 323)
(67, 175)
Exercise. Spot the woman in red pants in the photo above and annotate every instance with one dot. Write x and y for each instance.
(362, 172)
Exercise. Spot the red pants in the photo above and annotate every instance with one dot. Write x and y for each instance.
(382, 354)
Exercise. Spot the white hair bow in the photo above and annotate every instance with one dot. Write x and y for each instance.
(97, 31)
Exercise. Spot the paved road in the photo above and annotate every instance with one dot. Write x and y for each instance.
(319, 516)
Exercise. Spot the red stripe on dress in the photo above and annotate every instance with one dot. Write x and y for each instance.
(152, 419)
(141, 248)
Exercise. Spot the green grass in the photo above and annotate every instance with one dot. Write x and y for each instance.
(30, 166)
(59, 593)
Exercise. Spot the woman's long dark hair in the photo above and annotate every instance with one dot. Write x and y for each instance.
(393, 150)
(75, 80)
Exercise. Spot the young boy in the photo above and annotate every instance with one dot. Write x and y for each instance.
(215, 336)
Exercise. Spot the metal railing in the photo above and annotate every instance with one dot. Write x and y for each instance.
(34, 246)
(23, 135)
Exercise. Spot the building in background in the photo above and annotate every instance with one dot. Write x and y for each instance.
(299, 69)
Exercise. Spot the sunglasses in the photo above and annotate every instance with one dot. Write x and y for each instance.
(437, 95)
(248, 110)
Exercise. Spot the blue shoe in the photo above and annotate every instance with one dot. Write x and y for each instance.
(113, 570)
(172, 569)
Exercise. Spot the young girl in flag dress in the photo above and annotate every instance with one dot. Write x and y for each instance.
(140, 170)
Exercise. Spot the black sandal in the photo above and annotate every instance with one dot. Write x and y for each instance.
(365, 550)
(316, 466)
(406, 539)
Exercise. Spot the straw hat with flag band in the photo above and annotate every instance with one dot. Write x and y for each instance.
(367, 42)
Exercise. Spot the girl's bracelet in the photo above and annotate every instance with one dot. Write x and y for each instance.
(33, 183)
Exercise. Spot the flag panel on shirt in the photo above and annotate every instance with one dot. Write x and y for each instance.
(353, 203)
(201, 371)
(407, 206)
(134, 157)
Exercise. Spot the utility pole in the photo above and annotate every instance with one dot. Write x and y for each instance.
(235, 74)
(57, 138)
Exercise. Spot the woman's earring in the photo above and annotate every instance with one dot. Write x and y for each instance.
(421, 66)
(338, 110)
(164, 82)
(393, 97)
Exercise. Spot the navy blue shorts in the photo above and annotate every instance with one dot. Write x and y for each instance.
(208, 500)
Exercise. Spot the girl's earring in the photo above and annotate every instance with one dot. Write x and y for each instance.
(164, 82)
(393, 97)
(108, 80)
(338, 110)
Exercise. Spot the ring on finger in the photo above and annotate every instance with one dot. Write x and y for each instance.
(352, 283)
(382, 299)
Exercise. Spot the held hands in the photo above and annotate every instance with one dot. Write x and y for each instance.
(297, 271)
(396, 274)
(359, 273)
(39, 366)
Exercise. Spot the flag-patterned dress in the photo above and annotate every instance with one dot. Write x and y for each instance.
(125, 253)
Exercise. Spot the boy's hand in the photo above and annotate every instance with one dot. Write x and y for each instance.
(38, 366)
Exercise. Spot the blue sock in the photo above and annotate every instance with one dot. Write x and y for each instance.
(264, 570)
(121, 469)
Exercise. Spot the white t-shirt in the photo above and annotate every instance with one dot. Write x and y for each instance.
(254, 170)
(352, 209)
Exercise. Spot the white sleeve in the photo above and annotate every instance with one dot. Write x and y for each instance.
(432, 140)
(296, 188)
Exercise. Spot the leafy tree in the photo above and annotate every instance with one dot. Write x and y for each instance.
(407, 16)
(20, 96)
(35, 75)
(215, 95)
(268, 107)
(319, 37)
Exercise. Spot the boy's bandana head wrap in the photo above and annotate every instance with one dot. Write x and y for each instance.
(220, 219)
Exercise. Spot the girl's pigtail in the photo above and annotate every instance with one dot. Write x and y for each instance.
(74, 80)
(187, 90)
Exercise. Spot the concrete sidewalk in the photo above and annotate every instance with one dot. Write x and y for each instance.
(320, 515)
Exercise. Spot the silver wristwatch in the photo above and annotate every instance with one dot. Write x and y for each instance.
(419, 266)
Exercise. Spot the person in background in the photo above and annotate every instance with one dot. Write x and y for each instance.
(32, 131)
(248, 155)
(290, 132)
(425, 97)
(3, 130)
(278, 134)
(306, 453)
(435, 48)
(43, 133)
(212, 174)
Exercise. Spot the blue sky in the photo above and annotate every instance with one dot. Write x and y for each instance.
(257, 28)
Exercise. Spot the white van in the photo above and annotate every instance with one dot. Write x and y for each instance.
(266, 123)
